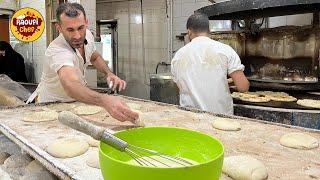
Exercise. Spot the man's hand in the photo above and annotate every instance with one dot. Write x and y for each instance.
(115, 82)
(118, 109)
(75, 89)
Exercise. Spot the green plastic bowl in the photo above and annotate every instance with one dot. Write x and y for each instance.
(189, 144)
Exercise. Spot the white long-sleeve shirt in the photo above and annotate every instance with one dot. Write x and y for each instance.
(200, 70)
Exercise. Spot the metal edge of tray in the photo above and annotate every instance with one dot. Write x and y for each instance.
(226, 116)
(282, 81)
(45, 159)
(186, 109)
(161, 76)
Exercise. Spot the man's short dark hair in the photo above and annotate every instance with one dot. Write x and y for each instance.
(198, 23)
(70, 9)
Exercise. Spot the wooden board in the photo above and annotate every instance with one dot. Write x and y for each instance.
(257, 138)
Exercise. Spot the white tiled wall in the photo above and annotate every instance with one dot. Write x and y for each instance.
(182, 9)
(90, 8)
(8, 4)
(136, 60)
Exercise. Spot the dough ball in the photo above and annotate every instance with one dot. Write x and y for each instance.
(93, 159)
(299, 141)
(67, 148)
(244, 167)
(226, 124)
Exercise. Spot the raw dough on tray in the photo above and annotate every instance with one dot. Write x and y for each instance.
(244, 167)
(40, 116)
(87, 110)
(226, 124)
(61, 107)
(299, 141)
(67, 147)
(93, 159)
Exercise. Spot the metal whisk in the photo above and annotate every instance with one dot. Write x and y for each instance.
(143, 156)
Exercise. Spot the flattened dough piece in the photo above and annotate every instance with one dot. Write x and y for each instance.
(61, 107)
(299, 141)
(226, 124)
(134, 106)
(67, 147)
(244, 167)
(41, 116)
(309, 103)
(87, 110)
(93, 159)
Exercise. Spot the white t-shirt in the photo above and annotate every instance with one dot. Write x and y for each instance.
(58, 54)
(200, 70)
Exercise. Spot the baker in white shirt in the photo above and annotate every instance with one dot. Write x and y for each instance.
(67, 57)
(201, 67)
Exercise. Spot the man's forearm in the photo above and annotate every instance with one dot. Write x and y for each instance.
(101, 65)
(82, 93)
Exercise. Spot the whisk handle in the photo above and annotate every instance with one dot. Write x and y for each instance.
(78, 123)
(114, 141)
(98, 133)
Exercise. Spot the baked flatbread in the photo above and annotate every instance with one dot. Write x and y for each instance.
(281, 98)
(255, 99)
(263, 96)
(309, 103)
(271, 93)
